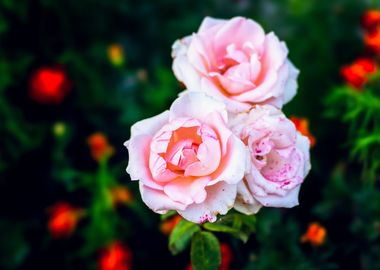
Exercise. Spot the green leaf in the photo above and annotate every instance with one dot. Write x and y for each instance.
(205, 252)
(238, 225)
(168, 215)
(181, 235)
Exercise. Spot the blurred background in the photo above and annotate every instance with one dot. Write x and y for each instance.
(75, 75)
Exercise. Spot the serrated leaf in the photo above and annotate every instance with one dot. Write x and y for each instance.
(205, 252)
(181, 236)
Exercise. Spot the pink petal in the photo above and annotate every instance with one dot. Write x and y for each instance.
(196, 105)
(291, 83)
(158, 201)
(232, 105)
(209, 22)
(150, 125)
(187, 190)
(232, 167)
(220, 199)
(242, 30)
(245, 202)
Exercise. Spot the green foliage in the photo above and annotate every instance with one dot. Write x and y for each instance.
(181, 236)
(360, 109)
(238, 225)
(205, 252)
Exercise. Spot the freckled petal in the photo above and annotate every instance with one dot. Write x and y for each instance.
(197, 105)
(158, 201)
(245, 202)
(289, 200)
(220, 199)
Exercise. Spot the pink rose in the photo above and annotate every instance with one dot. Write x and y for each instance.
(278, 159)
(235, 61)
(187, 159)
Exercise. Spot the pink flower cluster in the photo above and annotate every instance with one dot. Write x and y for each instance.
(224, 143)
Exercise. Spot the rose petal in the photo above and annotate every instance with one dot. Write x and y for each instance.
(158, 201)
(220, 199)
(196, 105)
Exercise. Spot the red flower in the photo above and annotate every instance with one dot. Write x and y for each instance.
(372, 40)
(99, 146)
(371, 19)
(356, 74)
(315, 234)
(121, 195)
(302, 125)
(49, 85)
(227, 256)
(116, 257)
(63, 219)
(168, 225)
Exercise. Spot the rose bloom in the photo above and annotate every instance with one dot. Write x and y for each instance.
(371, 19)
(356, 74)
(49, 85)
(315, 234)
(99, 146)
(187, 159)
(116, 257)
(372, 40)
(235, 61)
(278, 159)
(63, 219)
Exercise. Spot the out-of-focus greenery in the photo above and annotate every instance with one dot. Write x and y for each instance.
(37, 168)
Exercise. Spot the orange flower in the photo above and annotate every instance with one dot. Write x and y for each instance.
(356, 74)
(372, 40)
(116, 257)
(315, 235)
(99, 146)
(302, 125)
(49, 85)
(121, 195)
(116, 54)
(371, 19)
(167, 226)
(63, 219)
(227, 256)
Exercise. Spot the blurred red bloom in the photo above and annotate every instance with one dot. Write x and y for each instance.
(49, 85)
(99, 146)
(121, 195)
(315, 234)
(116, 257)
(356, 74)
(227, 257)
(372, 40)
(167, 226)
(371, 19)
(302, 125)
(63, 219)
